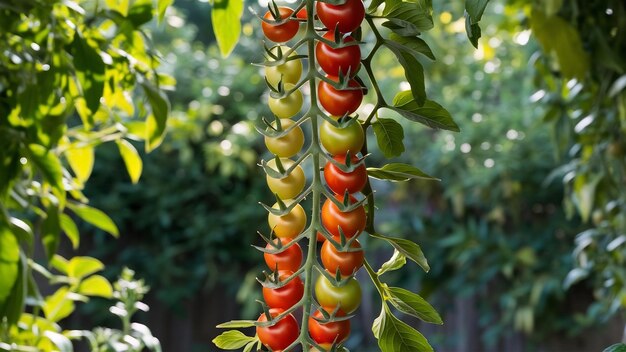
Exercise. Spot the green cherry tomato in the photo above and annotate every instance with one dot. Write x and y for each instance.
(290, 186)
(289, 72)
(347, 297)
(338, 141)
(289, 225)
(286, 107)
(289, 144)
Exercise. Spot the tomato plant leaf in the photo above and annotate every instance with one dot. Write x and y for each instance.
(70, 229)
(397, 261)
(413, 71)
(429, 114)
(474, 10)
(131, 158)
(226, 20)
(235, 324)
(412, 45)
(58, 305)
(95, 217)
(413, 304)
(409, 17)
(80, 267)
(398, 172)
(232, 340)
(81, 160)
(408, 248)
(395, 335)
(389, 135)
(618, 347)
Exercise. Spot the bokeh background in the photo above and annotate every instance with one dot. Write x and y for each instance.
(498, 230)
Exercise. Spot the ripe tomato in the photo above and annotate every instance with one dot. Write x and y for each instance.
(289, 144)
(289, 225)
(289, 186)
(331, 332)
(346, 17)
(350, 222)
(338, 141)
(333, 61)
(340, 181)
(288, 106)
(339, 102)
(289, 259)
(286, 296)
(282, 32)
(346, 262)
(302, 14)
(347, 297)
(289, 72)
(280, 335)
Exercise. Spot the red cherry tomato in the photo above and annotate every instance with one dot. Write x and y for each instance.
(346, 17)
(346, 262)
(331, 332)
(340, 102)
(280, 335)
(282, 32)
(302, 14)
(340, 181)
(289, 259)
(333, 61)
(351, 222)
(286, 296)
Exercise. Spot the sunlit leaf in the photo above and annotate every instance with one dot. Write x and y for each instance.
(398, 172)
(232, 340)
(226, 20)
(95, 217)
(395, 335)
(413, 304)
(157, 121)
(430, 114)
(408, 248)
(162, 6)
(70, 229)
(131, 157)
(9, 257)
(81, 160)
(397, 261)
(96, 285)
(80, 267)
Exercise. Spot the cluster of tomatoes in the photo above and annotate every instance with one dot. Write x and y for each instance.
(343, 217)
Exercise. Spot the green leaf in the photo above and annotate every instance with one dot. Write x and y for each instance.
(95, 217)
(226, 20)
(389, 135)
(474, 10)
(397, 261)
(232, 340)
(410, 17)
(408, 248)
(584, 194)
(162, 6)
(398, 172)
(140, 13)
(12, 303)
(618, 347)
(413, 304)
(131, 157)
(120, 6)
(71, 231)
(89, 71)
(60, 341)
(96, 285)
(557, 36)
(51, 231)
(58, 306)
(80, 267)
(395, 335)
(59, 263)
(22, 230)
(414, 45)
(377, 324)
(236, 324)
(50, 167)
(157, 121)
(413, 71)
(430, 113)
(81, 161)
(374, 5)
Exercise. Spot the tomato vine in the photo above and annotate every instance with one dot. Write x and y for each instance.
(333, 35)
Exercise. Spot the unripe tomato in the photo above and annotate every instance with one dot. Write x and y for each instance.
(339, 102)
(286, 107)
(334, 61)
(331, 332)
(346, 17)
(347, 297)
(351, 222)
(280, 335)
(289, 144)
(289, 72)
(289, 186)
(282, 32)
(338, 141)
(286, 296)
(289, 259)
(289, 225)
(339, 181)
(346, 262)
